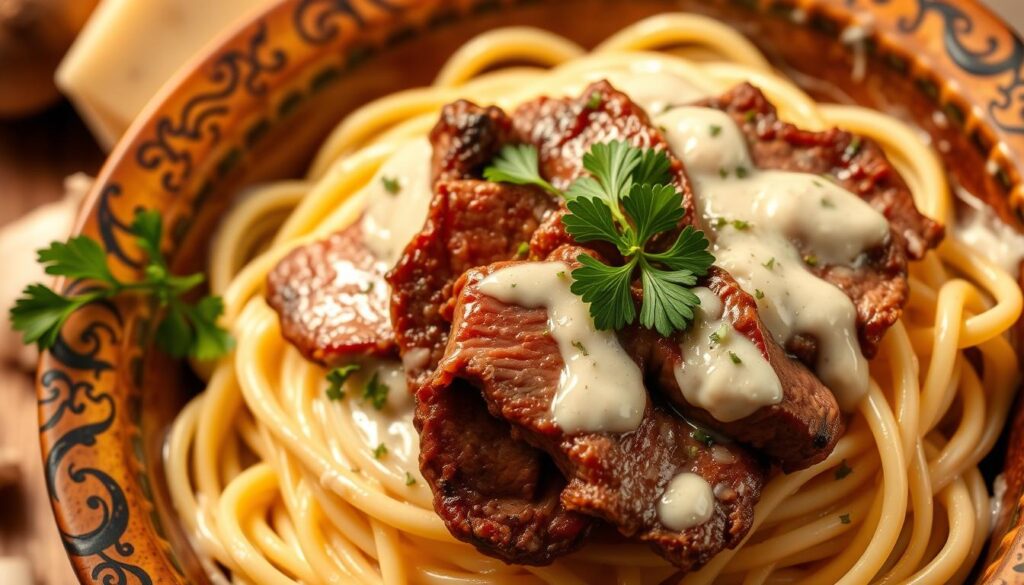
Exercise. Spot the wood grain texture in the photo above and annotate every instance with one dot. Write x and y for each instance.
(35, 156)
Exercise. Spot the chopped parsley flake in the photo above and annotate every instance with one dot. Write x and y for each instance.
(336, 379)
(715, 130)
(742, 172)
(741, 224)
(375, 392)
(758, 294)
(702, 437)
(409, 479)
(827, 203)
(844, 518)
(380, 451)
(749, 116)
(562, 274)
(391, 185)
(718, 335)
(594, 101)
(735, 358)
(582, 348)
(770, 264)
(811, 260)
(852, 148)
(523, 250)
(843, 470)
(368, 287)
(723, 173)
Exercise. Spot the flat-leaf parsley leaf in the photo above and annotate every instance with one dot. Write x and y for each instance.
(184, 328)
(626, 200)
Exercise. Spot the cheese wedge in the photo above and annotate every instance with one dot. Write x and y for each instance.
(130, 48)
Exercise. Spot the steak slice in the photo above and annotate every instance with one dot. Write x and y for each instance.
(470, 223)
(466, 138)
(508, 353)
(805, 426)
(799, 431)
(495, 492)
(331, 299)
(878, 287)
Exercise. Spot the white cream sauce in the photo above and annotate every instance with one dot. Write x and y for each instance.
(980, 229)
(756, 218)
(722, 371)
(655, 92)
(601, 389)
(392, 425)
(688, 501)
(393, 218)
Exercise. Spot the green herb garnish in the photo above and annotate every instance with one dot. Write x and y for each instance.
(852, 148)
(409, 479)
(517, 164)
(741, 224)
(770, 264)
(594, 101)
(184, 328)
(581, 348)
(811, 260)
(758, 294)
(391, 185)
(380, 451)
(735, 358)
(523, 250)
(714, 130)
(626, 200)
(375, 392)
(742, 172)
(702, 437)
(718, 335)
(336, 378)
(827, 203)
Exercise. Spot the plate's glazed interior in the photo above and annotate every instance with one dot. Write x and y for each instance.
(255, 108)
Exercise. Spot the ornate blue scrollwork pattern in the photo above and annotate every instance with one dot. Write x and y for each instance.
(170, 150)
(980, 54)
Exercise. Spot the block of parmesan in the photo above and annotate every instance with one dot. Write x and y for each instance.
(130, 48)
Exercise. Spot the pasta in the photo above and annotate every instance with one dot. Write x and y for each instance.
(277, 484)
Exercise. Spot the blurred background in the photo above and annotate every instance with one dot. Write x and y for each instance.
(73, 76)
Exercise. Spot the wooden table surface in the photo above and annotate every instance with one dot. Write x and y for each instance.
(35, 156)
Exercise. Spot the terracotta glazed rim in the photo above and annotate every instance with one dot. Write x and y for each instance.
(188, 144)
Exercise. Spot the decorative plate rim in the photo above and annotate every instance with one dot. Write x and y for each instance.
(198, 128)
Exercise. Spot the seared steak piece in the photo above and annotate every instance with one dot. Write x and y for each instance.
(878, 287)
(799, 431)
(332, 300)
(466, 138)
(470, 223)
(563, 129)
(497, 493)
(508, 353)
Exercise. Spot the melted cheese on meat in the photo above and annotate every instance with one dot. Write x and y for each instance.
(756, 217)
(688, 501)
(392, 219)
(722, 371)
(601, 389)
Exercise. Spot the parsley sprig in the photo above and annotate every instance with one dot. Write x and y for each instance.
(626, 200)
(184, 329)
